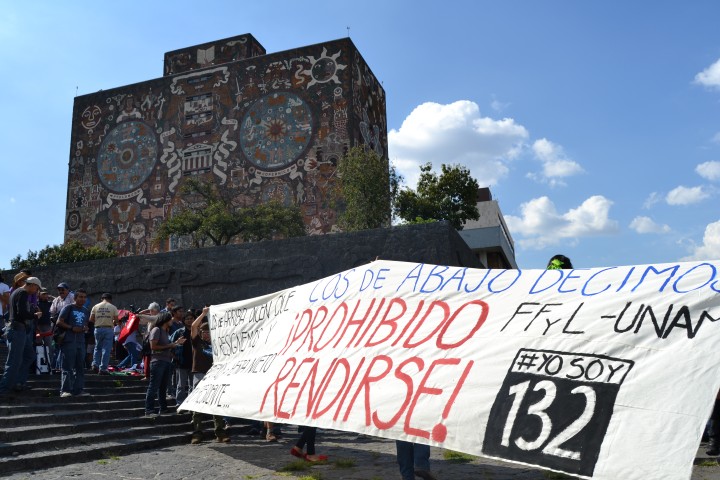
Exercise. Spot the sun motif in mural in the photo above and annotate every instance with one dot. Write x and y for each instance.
(324, 69)
(276, 130)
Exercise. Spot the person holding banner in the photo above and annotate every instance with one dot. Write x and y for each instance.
(413, 460)
(559, 262)
(202, 360)
(307, 438)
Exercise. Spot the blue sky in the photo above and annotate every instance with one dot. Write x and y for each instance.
(596, 124)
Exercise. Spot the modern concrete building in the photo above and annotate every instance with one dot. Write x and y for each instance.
(489, 237)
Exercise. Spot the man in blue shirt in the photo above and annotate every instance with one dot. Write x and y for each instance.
(74, 320)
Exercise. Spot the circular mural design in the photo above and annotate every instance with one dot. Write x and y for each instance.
(276, 130)
(127, 156)
(73, 220)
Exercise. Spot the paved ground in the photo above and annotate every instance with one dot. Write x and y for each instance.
(250, 458)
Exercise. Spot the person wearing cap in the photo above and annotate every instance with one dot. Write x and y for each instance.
(20, 332)
(148, 317)
(104, 316)
(65, 297)
(74, 320)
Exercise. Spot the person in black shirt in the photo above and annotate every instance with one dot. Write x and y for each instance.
(20, 332)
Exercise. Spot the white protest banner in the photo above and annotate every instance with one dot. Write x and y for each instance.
(607, 373)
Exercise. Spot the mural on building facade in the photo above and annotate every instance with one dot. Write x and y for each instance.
(265, 127)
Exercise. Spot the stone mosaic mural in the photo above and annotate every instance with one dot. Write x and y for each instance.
(262, 127)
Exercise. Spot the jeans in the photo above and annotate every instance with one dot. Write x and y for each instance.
(412, 456)
(103, 346)
(159, 379)
(72, 379)
(133, 357)
(21, 354)
(182, 380)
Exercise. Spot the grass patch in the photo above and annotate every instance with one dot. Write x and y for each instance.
(458, 457)
(708, 463)
(296, 466)
(312, 476)
(117, 383)
(344, 463)
(103, 462)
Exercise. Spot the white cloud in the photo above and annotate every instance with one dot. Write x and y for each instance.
(647, 225)
(709, 170)
(710, 249)
(543, 226)
(556, 165)
(710, 77)
(455, 134)
(716, 138)
(686, 195)
(652, 199)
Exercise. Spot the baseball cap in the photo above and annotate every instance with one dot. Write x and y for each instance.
(63, 285)
(34, 281)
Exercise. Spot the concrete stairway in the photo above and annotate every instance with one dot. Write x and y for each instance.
(39, 429)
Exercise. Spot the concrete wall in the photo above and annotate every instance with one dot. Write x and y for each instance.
(234, 272)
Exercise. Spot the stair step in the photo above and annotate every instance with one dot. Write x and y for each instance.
(93, 403)
(60, 442)
(78, 453)
(28, 398)
(22, 433)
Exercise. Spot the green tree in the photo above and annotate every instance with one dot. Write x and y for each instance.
(68, 252)
(450, 196)
(210, 215)
(366, 188)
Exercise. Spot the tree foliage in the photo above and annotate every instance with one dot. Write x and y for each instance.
(68, 252)
(210, 215)
(450, 196)
(366, 189)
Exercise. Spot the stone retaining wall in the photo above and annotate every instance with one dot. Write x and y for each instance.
(235, 272)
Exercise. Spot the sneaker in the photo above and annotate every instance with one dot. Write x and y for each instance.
(164, 412)
(66, 394)
(95, 370)
(151, 414)
(425, 475)
(195, 439)
(223, 439)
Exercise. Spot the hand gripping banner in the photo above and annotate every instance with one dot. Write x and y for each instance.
(601, 373)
